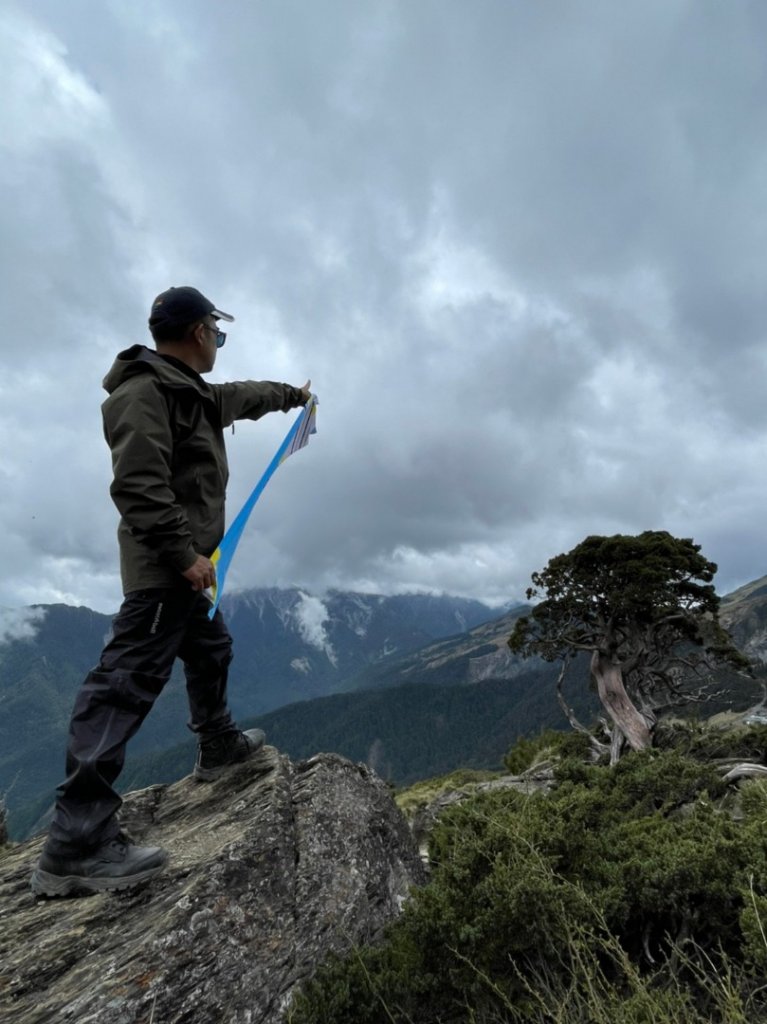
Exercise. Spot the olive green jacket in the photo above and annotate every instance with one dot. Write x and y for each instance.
(165, 427)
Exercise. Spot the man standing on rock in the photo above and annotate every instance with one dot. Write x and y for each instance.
(164, 425)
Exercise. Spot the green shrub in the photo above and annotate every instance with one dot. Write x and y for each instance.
(529, 750)
(420, 794)
(624, 895)
(704, 743)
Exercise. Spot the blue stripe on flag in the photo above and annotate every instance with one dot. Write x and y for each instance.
(296, 438)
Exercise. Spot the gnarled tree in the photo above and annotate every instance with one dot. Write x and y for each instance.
(645, 609)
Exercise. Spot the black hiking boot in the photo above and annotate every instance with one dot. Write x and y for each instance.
(215, 755)
(118, 864)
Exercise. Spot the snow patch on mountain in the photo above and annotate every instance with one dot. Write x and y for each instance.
(359, 612)
(311, 614)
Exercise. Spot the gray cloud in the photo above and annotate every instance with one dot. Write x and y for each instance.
(515, 247)
(19, 623)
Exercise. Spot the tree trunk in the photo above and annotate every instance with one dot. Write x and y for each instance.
(617, 703)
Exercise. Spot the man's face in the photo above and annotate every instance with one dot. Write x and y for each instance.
(213, 339)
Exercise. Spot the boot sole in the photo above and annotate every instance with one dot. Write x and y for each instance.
(43, 883)
(211, 774)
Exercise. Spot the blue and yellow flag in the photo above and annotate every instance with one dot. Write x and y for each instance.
(297, 437)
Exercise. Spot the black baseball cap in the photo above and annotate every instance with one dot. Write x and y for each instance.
(184, 305)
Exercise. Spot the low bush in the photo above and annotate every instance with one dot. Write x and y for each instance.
(420, 794)
(704, 743)
(529, 750)
(625, 895)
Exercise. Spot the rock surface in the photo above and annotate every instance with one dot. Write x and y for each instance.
(272, 867)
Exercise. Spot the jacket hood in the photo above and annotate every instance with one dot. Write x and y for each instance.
(140, 359)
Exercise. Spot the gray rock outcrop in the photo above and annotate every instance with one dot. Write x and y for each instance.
(272, 868)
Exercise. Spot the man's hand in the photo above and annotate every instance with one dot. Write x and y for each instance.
(306, 392)
(202, 574)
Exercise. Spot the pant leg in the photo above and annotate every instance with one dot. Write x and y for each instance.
(206, 652)
(112, 703)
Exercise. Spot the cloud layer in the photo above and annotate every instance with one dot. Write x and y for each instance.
(515, 246)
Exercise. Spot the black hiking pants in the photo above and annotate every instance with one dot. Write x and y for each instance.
(152, 629)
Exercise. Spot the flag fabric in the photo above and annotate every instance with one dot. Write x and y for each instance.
(297, 438)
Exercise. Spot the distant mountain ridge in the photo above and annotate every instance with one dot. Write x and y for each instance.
(293, 647)
(289, 646)
(474, 656)
(303, 646)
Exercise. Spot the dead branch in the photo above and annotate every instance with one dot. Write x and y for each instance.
(746, 770)
(597, 748)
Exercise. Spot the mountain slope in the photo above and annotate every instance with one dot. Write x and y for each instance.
(406, 732)
(479, 653)
(292, 647)
(744, 614)
(289, 646)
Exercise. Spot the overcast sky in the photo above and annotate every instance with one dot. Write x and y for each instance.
(518, 247)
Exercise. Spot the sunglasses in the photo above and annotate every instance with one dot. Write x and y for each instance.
(220, 335)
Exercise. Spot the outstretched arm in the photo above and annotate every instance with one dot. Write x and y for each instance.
(252, 399)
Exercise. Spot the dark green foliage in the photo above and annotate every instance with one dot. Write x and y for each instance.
(645, 609)
(705, 743)
(628, 579)
(540, 902)
(529, 750)
(621, 593)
